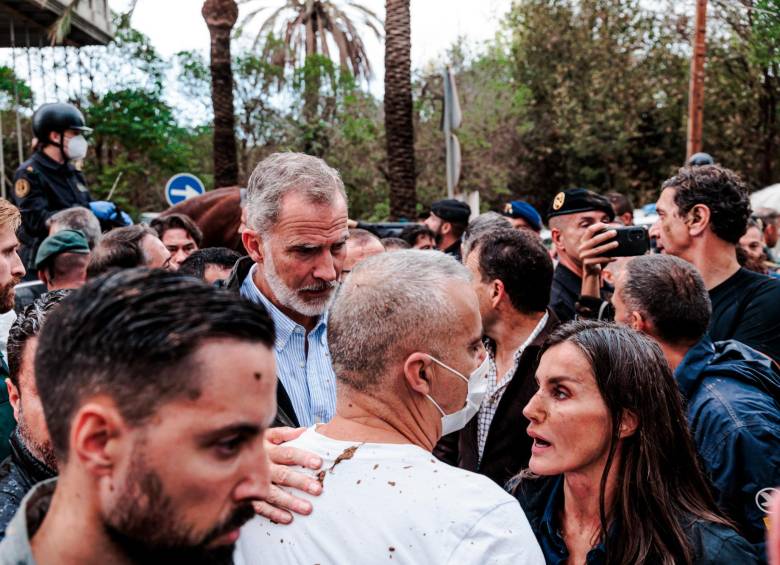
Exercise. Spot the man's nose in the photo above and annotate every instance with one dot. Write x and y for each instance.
(326, 268)
(256, 484)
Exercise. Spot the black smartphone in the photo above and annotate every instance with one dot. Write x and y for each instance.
(632, 241)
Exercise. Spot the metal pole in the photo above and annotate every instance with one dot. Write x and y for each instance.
(696, 95)
(16, 95)
(43, 67)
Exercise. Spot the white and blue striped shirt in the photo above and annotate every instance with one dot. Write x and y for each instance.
(308, 380)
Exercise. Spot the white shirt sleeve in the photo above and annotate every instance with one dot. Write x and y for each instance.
(503, 535)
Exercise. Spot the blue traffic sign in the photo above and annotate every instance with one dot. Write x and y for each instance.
(182, 187)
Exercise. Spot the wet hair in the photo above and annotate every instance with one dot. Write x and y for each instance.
(658, 470)
(162, 224)
(121, 248)
(719, 189)
(195, 265)
(519, 260)
(670, 293)
(482, 224)
(132, 335)
(28, 324)
(394, 244)
(411, 233)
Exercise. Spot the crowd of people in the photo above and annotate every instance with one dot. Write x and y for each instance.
(456, 393)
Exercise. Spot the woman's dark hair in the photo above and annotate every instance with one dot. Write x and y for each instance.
(658, 470)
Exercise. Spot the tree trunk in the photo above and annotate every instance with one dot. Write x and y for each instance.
(399, 126)
(221, 16)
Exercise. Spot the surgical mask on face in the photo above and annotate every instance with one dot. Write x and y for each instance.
(477, 388)
(76, 148)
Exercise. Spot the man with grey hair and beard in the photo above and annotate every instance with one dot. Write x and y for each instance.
(295, 235)
(406, 338)
(32, 457)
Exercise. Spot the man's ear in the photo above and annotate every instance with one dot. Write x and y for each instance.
(638, 322)
(497, 292)
(629, 422)
(698, 219)
(96, 435)
(446, 228)
(557, 239)
(253, 243)
(42, 277)
(14, 397)
(417, 370)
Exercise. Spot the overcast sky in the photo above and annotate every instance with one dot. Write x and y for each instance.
(176, 25)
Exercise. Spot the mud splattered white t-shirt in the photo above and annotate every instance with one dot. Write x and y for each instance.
(390, 503)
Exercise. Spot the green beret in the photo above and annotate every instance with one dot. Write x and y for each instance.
(64, 241)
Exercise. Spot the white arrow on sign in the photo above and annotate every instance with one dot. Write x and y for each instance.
(187, 192)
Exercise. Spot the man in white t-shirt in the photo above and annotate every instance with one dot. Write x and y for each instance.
(406, 343)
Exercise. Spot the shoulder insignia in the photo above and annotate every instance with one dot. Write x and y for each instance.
(22, 188)
(558, 202)
(508, 208)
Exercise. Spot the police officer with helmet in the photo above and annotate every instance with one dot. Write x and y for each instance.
(50, 180)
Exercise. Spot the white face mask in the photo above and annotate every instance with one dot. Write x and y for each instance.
(477, 390)
(76, 148)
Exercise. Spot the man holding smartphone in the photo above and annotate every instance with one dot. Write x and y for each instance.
(574, 218)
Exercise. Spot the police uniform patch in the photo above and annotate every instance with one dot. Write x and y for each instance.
(558, 202)
(22, 188)
(508, 208)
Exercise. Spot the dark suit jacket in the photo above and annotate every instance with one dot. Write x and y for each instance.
(508, 446)
(285, 414)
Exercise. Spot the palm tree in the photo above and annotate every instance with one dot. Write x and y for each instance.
(309, 27)
(399, 126)
(221, 16)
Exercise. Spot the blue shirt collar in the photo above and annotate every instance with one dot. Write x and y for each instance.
(696, 360)
(283, 325)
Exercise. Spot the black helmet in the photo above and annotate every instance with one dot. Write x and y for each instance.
(700, 159)
(57, 117)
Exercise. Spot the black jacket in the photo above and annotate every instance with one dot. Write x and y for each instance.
(42, 187)
(508, 446)
(285, 414)
(542, 500)
(19, 473)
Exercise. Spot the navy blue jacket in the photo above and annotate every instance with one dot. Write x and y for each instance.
(542, 500)
(733, 398)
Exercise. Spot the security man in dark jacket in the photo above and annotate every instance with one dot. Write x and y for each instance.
(448, 220)
(569, 216)
(50, 181)
(732, 391)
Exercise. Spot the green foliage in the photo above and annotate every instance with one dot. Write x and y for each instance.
(7, 80)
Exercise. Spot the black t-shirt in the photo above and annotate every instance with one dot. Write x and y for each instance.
(746, 307)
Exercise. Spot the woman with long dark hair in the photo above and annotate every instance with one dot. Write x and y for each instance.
(613, 475)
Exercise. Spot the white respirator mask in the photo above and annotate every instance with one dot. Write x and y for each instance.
(477, 389)
(76, 148)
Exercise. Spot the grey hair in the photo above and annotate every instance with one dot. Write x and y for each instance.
(479, 226)
(390, 306)
(77, 218)
(282, 173)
